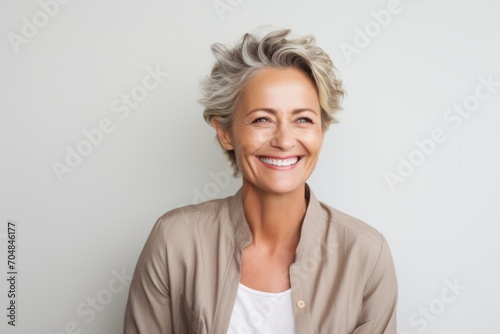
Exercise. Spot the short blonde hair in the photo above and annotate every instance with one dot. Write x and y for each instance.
(222, 89)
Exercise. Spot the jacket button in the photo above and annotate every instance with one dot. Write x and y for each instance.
(301, 304)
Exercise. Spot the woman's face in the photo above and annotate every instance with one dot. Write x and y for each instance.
(276, 131)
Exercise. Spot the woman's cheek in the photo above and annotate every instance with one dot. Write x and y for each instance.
(311, 135)
(257, 137)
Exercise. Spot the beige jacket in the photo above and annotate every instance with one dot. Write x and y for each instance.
(343, 279)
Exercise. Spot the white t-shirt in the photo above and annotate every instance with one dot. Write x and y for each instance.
(258, 312)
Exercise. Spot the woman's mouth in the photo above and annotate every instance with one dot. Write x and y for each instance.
(288, 162)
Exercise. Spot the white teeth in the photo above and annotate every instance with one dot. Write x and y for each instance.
(280, 162)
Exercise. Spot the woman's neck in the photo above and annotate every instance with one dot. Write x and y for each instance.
(274, 219)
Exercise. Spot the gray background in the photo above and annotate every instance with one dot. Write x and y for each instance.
(77, 234)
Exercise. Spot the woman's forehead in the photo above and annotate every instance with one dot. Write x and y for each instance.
(277, 88)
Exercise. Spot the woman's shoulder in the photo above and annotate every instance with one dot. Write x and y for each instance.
(180, 235)
(352, 226)
(364, 244)
(205, 214)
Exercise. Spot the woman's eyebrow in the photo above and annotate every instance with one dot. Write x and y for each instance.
(297, 111)
(273, 111)
(268, 110)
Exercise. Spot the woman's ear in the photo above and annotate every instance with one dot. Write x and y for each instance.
(223, 135)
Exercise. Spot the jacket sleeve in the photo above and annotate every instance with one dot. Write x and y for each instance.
(148, 306)
(380, 294)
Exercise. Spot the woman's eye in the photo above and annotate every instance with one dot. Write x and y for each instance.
(260, 120)
(304, 120)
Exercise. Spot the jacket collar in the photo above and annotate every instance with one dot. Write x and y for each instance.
(312, 220)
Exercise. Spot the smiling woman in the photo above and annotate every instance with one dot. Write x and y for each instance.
(275, 128)
(271, 258)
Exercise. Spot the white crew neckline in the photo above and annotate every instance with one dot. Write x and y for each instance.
(263, 293)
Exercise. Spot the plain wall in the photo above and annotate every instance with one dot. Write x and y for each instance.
(408, 68)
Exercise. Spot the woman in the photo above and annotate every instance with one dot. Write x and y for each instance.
(271, 258)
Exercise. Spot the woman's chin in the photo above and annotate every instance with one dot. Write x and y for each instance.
(278, 186)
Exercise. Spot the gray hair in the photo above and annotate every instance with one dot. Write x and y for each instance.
(222, 89)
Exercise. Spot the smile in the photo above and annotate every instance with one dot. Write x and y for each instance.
(280, 162)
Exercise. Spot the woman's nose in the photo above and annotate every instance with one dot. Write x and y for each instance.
(283, 138)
